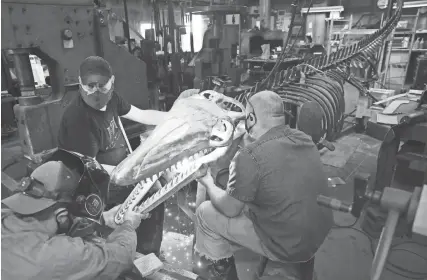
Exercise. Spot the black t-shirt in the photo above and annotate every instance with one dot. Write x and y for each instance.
(95, 133)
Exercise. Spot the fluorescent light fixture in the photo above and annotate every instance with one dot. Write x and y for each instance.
(323, 9)
(413, 4)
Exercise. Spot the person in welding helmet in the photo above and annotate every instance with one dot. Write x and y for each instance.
(90, 126)
(34, 240)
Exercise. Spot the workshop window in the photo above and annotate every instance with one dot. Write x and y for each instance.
(200, 24)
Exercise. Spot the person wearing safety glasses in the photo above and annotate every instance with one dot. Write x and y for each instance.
(90, 126)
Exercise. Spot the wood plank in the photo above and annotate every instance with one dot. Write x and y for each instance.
(171, 273)
(8, 182)
(151, 268)
(148, 264)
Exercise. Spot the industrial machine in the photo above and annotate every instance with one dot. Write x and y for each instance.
(408, 206)
(62, 35)
(220, 43)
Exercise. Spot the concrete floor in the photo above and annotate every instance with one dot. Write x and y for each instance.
(346, 253)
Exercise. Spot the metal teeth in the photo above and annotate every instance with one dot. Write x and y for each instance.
(174, 168)
(184, 168)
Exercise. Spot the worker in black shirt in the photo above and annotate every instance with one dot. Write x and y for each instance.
(90, 126)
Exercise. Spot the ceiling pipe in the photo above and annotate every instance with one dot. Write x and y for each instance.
(265, 13)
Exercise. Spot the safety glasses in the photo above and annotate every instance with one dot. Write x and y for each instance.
(94, 87)
(34, 188)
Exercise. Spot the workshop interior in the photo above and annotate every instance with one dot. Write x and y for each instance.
(351, 74)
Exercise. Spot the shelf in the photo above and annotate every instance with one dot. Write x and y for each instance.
(419, 50)
(356, 32)
(403, 32)
(421, 31)
(329, 9)
(338, 19)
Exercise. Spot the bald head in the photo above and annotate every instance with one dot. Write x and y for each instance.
(269, 108)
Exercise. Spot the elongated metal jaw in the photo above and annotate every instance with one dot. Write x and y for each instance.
(183, 173)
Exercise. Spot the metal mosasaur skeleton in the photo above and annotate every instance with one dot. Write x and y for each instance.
(198, 131)
(200, 127)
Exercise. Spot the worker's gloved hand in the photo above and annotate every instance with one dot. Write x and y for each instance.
(109, 217)
(135, 218)
(110, 214)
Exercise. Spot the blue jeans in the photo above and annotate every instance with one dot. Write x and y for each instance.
(218, 237)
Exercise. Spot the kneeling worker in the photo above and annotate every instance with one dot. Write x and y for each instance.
(269, 205)
(34, 240)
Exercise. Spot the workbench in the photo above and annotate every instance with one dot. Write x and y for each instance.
(268, 64)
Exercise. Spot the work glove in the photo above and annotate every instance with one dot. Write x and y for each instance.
(133, 217)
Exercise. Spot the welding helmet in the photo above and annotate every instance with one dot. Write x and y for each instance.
(89, 198)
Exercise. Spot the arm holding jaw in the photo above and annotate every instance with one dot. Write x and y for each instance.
(221, 200)
(148, 117)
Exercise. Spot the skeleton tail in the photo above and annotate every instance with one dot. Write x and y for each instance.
(325, 76)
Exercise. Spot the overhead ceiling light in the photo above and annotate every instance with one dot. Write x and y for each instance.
(323, 9)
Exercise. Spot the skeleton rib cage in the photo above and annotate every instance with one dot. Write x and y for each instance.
(323, 83)
(324, 77)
